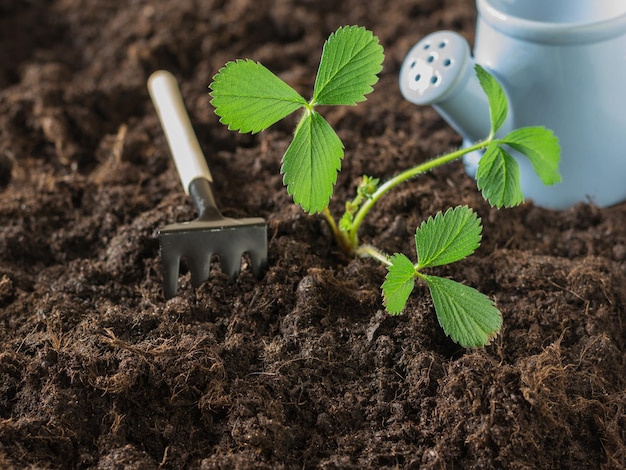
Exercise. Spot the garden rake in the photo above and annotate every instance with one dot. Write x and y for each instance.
(211, 233)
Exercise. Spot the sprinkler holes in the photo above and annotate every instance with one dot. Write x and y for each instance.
(432, 57)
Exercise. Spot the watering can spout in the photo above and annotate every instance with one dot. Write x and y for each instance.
(439, 71)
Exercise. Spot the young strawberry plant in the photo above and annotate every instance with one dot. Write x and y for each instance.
(249, 98)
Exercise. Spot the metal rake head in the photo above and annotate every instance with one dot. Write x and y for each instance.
(198, 241)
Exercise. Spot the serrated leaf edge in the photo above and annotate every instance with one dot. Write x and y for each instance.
(439, 219)
(495, 194)
(222, 76)
(497, 111)
(460, 319)
(318, 90)
(408, 282)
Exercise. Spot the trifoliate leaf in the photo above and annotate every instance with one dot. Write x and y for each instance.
(467, 316)
(351, 60)
(311, 162)
(448, 237)
(498, 177)
(498, 107)
(541, 147)
(249, 98)
(398, 284)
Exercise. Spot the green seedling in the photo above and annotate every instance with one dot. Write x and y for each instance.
(249, 98)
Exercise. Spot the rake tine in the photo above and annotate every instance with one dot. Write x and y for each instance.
(171, 267)
(231, 263)
(199, 267)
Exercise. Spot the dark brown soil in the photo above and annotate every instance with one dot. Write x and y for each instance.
(301, 368)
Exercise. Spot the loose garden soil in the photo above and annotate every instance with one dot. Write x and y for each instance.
(301, 368)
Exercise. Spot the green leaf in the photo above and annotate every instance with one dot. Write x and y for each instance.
(498, 107)
(541, 147)
(398, 284)
(498, 177)
(345, 223)
(447, 237)
(311, 162)
(467, 316)
(249, 98)
(351, 60)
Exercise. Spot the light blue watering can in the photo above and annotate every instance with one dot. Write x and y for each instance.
(562, 64)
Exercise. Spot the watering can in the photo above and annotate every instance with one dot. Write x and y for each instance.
(562, 65)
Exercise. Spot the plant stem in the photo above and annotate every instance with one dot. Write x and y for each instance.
(372, 252)
(331, 222)
(341, 237)
(353, 237)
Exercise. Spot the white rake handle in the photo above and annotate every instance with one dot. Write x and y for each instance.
(181, 138)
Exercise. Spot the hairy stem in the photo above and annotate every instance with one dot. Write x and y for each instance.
(372, 252)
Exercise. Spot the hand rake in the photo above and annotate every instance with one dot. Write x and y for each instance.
(211, 233)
